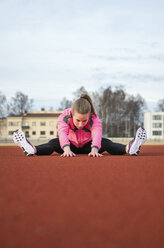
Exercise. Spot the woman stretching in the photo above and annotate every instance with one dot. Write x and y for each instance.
(80, 132)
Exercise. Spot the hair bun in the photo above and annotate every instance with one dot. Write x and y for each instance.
(83, 96)
(84, 105)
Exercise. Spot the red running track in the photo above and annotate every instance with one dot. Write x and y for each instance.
(82, 202)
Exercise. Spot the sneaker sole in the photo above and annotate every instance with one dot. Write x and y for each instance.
(139, 140)
(21, 141)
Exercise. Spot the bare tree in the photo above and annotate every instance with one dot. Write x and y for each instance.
(19, 104)
(118, 100)
(133, 113)
(79, 92)
(105, 111)
(3, 105)
(95, 96)
(120, 113)
(161, 105)
(65, 103)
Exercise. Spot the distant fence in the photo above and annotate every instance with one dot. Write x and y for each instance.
(148, 142)
(114, 139)
(35, 142)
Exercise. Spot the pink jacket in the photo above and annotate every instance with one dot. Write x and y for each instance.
(68, 132)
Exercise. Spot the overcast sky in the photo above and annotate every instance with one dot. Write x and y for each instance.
(49, 48)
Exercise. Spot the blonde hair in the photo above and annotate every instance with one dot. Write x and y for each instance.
(83, 105)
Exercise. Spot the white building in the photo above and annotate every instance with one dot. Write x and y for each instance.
(154, 125)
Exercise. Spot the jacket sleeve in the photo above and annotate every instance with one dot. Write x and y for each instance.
(63, 130)
(96, 132)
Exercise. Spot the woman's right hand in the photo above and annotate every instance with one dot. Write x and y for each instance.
(67, 152)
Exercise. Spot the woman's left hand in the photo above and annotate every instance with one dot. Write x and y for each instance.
(94, 153)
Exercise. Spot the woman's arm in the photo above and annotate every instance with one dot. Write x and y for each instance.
(63, 131)
(96, 133)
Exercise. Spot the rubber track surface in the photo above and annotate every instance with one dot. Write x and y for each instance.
(82, 202)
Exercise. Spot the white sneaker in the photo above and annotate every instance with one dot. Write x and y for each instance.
(135, 144)
(20, 140)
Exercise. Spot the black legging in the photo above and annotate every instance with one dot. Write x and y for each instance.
(106, 145)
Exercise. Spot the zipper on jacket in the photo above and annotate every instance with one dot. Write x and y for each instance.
(79, 138)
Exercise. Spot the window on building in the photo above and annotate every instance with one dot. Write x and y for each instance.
(42, 132)
(33, 123)
(157, 133)
(33, 132)
(43, 123)
(10, 132)
(27, 134)
(26, 124)
(51, 132)
(51, 123)
(14, 123)
(157, 117)
(157, 125)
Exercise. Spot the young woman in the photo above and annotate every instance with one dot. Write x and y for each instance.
(80, 132)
